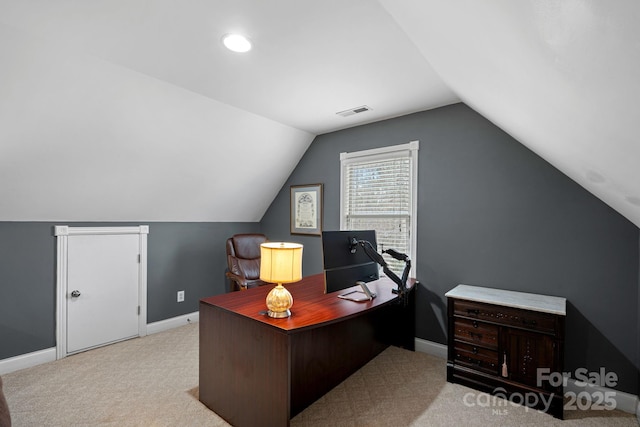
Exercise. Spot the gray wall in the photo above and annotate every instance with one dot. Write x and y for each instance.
(181, 256)
(492, 213)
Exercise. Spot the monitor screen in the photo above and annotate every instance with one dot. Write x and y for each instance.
(342, 268)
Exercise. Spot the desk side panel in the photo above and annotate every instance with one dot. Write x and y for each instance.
(399, 326)
(244, 369)
(324, 357)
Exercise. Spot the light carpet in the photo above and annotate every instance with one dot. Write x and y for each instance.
(153, 381)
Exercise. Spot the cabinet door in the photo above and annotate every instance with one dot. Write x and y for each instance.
(526, 352)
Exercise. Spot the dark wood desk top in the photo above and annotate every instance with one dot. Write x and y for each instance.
(311, 306)
(278, 367)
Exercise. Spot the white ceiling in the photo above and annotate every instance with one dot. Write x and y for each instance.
(132, 110)
(560, 76)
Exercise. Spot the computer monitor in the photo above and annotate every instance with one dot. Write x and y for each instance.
(342, 267)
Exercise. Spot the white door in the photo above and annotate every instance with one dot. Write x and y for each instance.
(102, 293)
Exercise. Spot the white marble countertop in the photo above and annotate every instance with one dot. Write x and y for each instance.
(535, 302)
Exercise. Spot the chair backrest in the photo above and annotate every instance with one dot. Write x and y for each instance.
(243, 254)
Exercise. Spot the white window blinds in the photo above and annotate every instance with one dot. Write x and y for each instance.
(378, 193)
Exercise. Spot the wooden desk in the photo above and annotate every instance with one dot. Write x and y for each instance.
(259, 371)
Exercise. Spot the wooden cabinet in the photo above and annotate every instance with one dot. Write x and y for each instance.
(507, 343)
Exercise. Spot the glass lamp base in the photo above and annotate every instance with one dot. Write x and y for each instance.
(279, 301)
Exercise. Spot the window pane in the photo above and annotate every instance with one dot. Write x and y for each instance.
(391, 233)
(378, 196)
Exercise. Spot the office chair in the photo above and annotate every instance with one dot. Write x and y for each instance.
(5, 417)
(243, 260)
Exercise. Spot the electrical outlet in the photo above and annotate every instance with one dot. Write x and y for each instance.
(180, 296)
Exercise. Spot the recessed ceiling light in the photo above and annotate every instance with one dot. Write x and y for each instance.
(236, 43)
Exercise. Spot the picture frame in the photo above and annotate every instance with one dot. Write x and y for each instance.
(306, 209)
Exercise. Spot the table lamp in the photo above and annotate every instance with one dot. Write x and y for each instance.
(280, 262)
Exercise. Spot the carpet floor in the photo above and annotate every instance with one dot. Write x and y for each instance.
(153, 381)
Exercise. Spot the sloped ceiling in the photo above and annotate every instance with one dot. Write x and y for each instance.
(131, 110)
(560, 76)
(134, 111)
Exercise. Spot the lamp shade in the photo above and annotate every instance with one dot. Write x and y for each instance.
(280, 262)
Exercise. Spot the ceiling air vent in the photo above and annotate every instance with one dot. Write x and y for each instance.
(352, 111)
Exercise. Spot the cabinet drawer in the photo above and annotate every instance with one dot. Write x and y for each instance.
(475, 332)
(476, 357)
(532, 320)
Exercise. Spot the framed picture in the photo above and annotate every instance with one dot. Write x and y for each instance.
(306, 209)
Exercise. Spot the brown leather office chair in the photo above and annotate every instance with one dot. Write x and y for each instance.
(243, 260)
(5, 417)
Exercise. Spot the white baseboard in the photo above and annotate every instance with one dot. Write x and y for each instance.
(430, 347)
(174, 322)
(30, 360)
(27, 360)
(625, 402)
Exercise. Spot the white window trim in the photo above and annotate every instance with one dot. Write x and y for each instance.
(411, 149)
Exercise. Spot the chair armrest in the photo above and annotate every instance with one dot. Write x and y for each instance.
(243, 282)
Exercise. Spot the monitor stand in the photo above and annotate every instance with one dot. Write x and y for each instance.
(359, 295)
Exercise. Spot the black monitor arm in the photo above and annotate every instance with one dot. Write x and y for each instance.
(376, 257)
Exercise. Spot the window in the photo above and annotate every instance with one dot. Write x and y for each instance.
(379, 192)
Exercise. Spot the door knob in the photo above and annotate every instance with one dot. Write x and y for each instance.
(75, 294)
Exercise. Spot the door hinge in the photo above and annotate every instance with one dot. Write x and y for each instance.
(138, 310)
(139, 258)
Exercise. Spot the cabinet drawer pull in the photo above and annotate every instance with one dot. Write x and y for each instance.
(474, 334)
(475, 324)
(474, 350)
(473, 311)
(531, 323)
